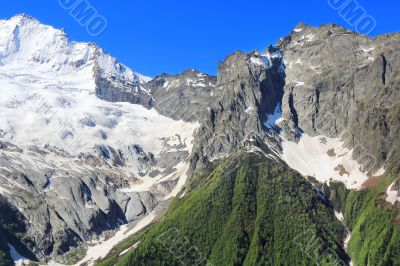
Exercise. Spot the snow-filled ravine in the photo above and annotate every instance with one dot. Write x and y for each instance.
(326, 159)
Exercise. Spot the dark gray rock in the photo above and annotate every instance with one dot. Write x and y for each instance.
(185, 96)
(66, 201)
(250, 89)
(114, 89)
(342, 84)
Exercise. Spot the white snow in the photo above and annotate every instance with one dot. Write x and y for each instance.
(25, 40)
(272, 55)
(380, 172)
(100, 250)
(128, 249)
(198, 84)
(346, 244)
(47, 99)
(165, 85)
(257, 150)
(339, 216)
(310, 158)
(46, 109)
(310, 37)
(114, 67)
(273, 118)
(257, 61)
(267, 57)
(298, 83)
(297, 30)
(347, 240)
(316, 69)
(182, 169)
(249, 109)
(392, 194)
(367, 49)
(47, 95)
(18, 259)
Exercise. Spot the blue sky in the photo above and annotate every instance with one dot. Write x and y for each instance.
(153, 37)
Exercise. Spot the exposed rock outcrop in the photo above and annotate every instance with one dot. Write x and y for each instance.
(342, 84)
(186, 96)
(251, 87)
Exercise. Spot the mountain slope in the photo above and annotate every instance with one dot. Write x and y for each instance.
(374, 222)
(341, 84)
(77, 158)
(248, 211)
(314, 128)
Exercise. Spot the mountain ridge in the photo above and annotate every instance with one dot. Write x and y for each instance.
(297, 105)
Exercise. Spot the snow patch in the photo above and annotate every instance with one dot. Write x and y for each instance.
(101, 249)
(392, 194)
(339, 216)
(166, 83)
(18, 259)
(257, 61)
(324, 158)
(181, 173)
(273, 118)
(346, 244)
(298, 83)
(380, 172)
(128, 249)
(249, 109)
(367, 49)
(310, 37)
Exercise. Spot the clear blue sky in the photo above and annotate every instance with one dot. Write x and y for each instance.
(153, 37)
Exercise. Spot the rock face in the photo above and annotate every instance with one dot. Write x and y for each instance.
(185, 96)
(251, 86)
(342, 84)
(115, 89)
(66, 201)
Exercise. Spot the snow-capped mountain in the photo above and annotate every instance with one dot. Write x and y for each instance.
(48, 97)
(91, 151)
(28, 42)
(73, 161)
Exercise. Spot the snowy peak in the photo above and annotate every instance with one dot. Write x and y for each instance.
(26, 40)
(68, 125)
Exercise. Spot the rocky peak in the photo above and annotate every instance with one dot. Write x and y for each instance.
(184, 96)
(250, 90)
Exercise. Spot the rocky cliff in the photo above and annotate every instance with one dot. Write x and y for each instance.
(342, 84)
